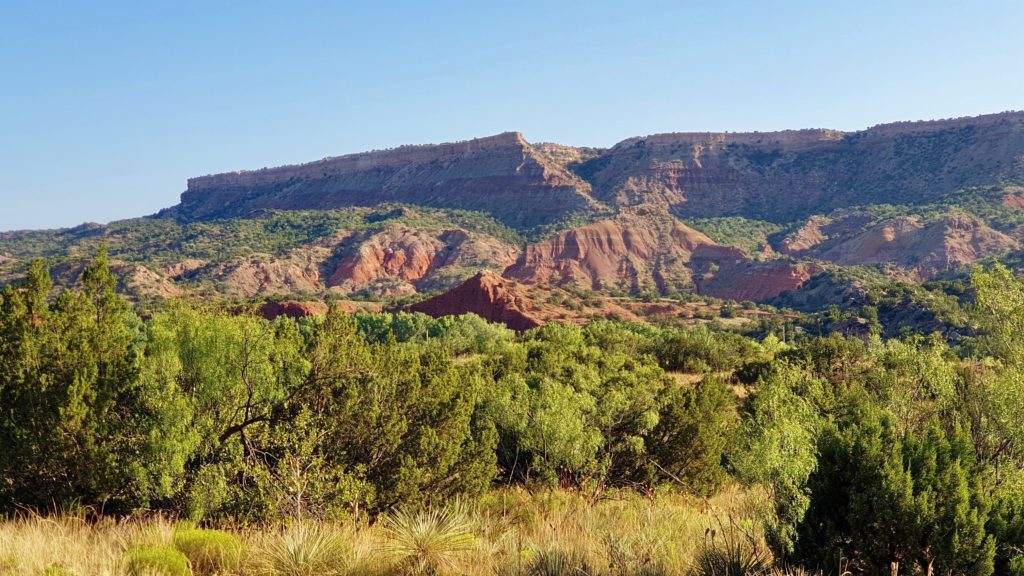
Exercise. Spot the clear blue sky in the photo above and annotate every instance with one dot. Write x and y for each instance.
(107, 107)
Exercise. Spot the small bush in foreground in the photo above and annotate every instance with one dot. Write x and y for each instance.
(156, 560)
(209, 551)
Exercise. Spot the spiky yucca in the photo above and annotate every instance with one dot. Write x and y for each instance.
(427, 541)
(304, 550)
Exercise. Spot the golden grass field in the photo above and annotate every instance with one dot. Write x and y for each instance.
(509, 532)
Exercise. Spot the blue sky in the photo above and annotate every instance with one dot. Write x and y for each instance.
(107, 107)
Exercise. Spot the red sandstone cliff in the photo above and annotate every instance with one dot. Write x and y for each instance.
(632, 252)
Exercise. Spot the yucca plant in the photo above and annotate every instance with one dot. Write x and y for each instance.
(555, 561)
(427, 541)
(303, 550)
(736, 553)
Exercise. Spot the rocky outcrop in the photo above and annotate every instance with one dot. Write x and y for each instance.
(632, 252)
(140, 281)
(265, 275)
(502, 175)
(488, 295)
(404, 257)
(756, 281)
(926, 249)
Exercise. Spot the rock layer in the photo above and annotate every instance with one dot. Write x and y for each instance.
(631, 252)
(502, 175)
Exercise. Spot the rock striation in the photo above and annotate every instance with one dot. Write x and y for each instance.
(780, 176)
(400, 260)
(501, 175)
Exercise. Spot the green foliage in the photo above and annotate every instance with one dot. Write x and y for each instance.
(880, 497)
(701, 350)
(555, 561)
(156, 560)
(744, 233)
(80, 422)
(570, 406)
(868, 450)
(209, 551)
(695, 427)
(778, 451)
(731, 550)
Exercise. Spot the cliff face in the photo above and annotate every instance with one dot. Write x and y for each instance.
(642, 250)
(923, 249)
(782, 175)
(774, 176)
(401, 260)
(501, 175)
(631, 252)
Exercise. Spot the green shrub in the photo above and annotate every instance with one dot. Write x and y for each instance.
(209, 551)
(156, 560)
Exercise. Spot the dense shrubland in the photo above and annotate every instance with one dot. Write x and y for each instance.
(866, 455)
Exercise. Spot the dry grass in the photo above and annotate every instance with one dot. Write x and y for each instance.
(510, 533)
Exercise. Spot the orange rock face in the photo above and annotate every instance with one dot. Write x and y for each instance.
(625, 253)
(406, 256)
(925, 249)
(488, 295)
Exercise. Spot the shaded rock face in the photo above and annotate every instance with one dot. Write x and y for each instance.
(501, 175)
(756, 281)
(777, 176)
(406, 257)
(291, 309)
(488, 295)
(630, 252)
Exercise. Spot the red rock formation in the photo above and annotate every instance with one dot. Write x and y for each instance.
(629, 252)
(407, 256)
(1014, 197)
(488, 295)
(806, 237)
